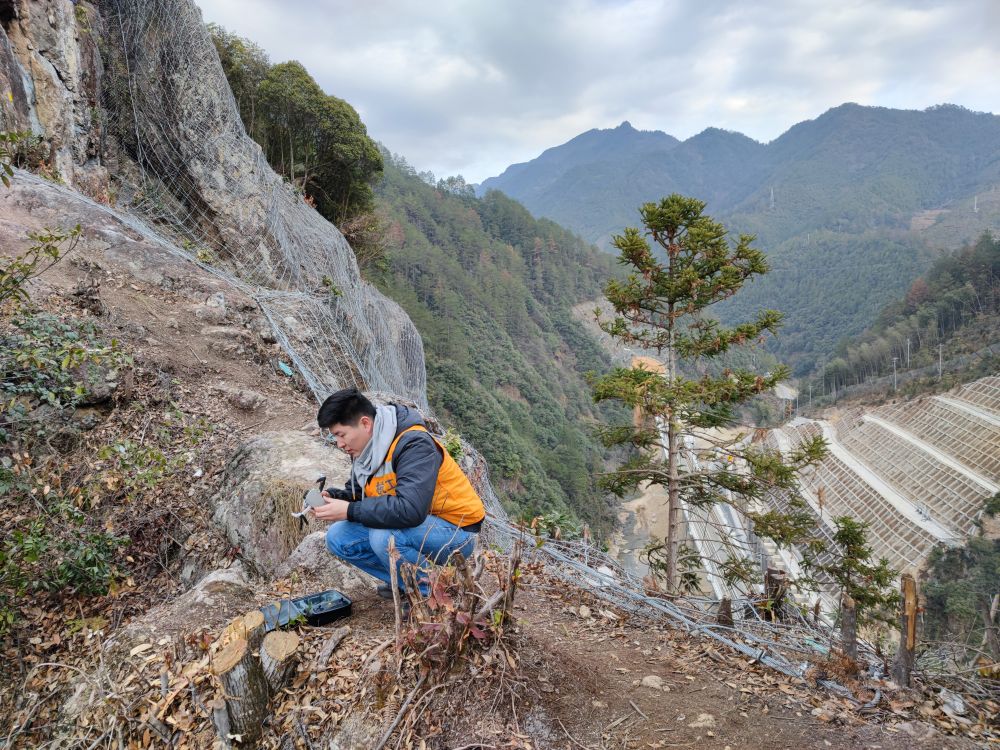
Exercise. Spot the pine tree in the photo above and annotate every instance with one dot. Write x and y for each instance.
(867, 586)
(660, 307)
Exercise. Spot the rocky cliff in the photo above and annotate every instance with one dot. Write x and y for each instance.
(127, 103)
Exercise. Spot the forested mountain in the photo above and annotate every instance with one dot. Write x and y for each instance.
(490, 288)
(949, 315)
(850, 207)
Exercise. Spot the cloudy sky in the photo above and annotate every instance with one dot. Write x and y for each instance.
(471, 86)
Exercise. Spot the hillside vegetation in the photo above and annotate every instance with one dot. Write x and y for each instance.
(850, 207)
(949, 315)
(491, 289)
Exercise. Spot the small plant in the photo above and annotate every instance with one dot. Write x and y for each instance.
(53, 547)
(458, 617)
(866, 585)
(24, 150)
(50, 246)
(453, 443)
(8, 154)
(556, 525)
(82, 18)
(333, 289)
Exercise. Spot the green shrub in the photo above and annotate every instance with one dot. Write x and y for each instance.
(51, 548)
(47, 360)
(48, 248)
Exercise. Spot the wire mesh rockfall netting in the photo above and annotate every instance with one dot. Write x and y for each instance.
(181, 159)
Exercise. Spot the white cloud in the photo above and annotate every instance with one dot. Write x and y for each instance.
(464, 86)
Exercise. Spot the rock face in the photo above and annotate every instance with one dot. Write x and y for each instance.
(312, 559)
(50, 78)
(217, 598)
(263, 485)
(156, 114)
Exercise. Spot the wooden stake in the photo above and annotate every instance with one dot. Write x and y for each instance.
(903, 668)
(246, 690)
(394, 582)
(277, 657)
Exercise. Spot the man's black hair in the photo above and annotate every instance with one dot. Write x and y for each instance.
(345, 407)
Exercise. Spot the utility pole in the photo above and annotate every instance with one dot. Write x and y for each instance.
(940, 347)
(894, 374)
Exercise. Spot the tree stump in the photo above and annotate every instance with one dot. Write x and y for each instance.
(725, 614)
(246, 690)
(278, 657)
(775, 588)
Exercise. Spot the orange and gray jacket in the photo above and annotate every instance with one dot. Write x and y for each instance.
(417, 478)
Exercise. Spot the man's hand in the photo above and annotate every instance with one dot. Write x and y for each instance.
(334, 510)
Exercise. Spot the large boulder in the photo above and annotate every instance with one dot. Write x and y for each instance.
(312, 562)
(213, 601)
(263, 485)
(170, 109)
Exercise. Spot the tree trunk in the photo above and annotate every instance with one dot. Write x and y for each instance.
(246, 691)
(849, 626)
(903, 667)
(673, 505)
(277, 657)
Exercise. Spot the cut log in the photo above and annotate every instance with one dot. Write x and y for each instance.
(246, 691)
(278, 657)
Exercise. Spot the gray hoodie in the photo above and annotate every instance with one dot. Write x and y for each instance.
(416, 462)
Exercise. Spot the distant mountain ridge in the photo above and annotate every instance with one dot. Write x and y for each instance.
(850, 206)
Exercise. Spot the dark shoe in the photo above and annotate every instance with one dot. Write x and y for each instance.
(384, 590)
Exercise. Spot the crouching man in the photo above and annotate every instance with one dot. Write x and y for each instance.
(404, 485)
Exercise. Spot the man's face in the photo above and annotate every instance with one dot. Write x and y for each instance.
(352, 439)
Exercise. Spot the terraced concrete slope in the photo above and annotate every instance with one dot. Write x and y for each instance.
(918, 472)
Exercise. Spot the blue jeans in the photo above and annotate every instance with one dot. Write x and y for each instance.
(432, 542)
